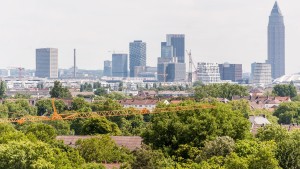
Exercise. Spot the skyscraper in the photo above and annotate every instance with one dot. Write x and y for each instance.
(177, 41)
(137, 55)
(107, 68)
(47, 63)
(233, 72)
(119, 65)
(276, 42)
(166, 51)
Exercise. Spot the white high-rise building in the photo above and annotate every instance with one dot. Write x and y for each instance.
(208, 73)
(261, 74)
(47, 63)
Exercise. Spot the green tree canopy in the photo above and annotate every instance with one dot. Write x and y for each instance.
(58, 91)
(285, 90)
(288, 112)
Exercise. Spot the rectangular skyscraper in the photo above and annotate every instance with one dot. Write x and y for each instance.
(119, 65)
(166, 51)
(276, 42)
(261, 73)
(47, 63)
(233, 72)
(137, 55)
(107, 68)
(177, 41)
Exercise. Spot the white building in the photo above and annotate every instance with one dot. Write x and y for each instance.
(261, 74)
(208, 73)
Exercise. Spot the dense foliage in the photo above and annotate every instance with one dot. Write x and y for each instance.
(58, 91)
(285, 90)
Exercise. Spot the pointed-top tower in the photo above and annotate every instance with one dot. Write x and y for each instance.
(276, 42)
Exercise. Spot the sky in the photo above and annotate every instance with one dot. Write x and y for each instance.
(233, 31)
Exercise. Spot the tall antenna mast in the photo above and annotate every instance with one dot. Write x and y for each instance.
(74, 64)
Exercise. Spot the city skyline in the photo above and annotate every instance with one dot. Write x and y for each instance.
(34, 24)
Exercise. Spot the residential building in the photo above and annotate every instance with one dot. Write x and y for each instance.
(137, 55)
(119, 65)
(107, 71)
(177, 41)
(208, 73)
(148, 104)
(47, 63)
(233, 72)
(276, 42)
(261, 74)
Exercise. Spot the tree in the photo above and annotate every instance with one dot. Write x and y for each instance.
(100, 91)
(99, 126)
(2, 89)
(285, 90)
(58, 91)
(19, 108)
(288, 112)
(221, 146)
(288, 151)
(79, 104)
(169, 130)
(272, 132)
(45, 106)
(43, 132)
(102, 149)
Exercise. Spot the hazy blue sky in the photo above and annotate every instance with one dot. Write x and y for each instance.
(216, 30)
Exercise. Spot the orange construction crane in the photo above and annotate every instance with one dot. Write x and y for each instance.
(124, 112)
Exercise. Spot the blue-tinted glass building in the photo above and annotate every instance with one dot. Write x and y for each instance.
(177, 41)
(119, 65)
(137, 55)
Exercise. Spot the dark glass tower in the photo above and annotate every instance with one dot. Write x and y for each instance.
(276, 42)
(137, 55)
(177, 41)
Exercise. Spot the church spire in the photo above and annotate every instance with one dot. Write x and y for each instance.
(276, 10)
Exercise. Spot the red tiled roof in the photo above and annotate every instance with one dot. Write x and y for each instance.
(130, 142)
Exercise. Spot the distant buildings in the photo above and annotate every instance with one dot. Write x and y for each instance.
(208, 73)
(137, 55)
(47, 63)
(107, 71)
(166, 51)
(261, 74)
(177, 41)
(175, 72)
(276, 42)
(119, 65)
(233, 72)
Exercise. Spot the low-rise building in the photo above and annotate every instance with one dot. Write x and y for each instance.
(149, 104)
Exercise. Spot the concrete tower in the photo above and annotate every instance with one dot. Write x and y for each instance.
(276, 42)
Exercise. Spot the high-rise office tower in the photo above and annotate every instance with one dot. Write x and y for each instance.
(119, 65)
(177, 41)
(233, 72)
(276, 42)
(47, 63)
(107, 68)
(166, 51)
(137, 55)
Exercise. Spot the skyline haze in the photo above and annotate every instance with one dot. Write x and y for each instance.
(216, 31)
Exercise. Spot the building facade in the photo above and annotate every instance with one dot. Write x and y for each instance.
(208, 73)
(233, 72)
(166, 51)
(107, 71)
(47, 63)
(261, 74)
(175, 72)
(137, 55)
(177, 41)
(276, 42)
(119, 65)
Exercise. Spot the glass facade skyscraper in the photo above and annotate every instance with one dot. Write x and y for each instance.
(137, 55)
(276, 42)
(177, 41)
(47, 63)
(119, 65)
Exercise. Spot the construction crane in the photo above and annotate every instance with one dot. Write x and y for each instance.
(83, 115)
(20, 70)
(191, 65)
